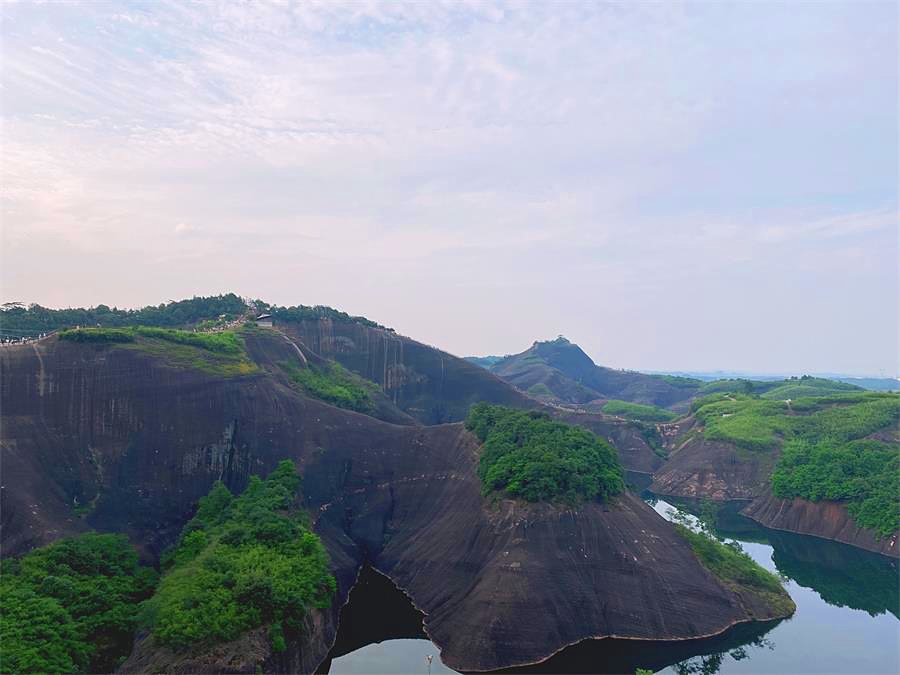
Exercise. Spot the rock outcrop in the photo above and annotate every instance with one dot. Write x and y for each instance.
(432, 386)
(133, 443)
(829, 520)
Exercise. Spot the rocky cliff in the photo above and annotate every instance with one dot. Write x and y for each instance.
(698, 468)
(829, 520)
(130, 443)
(427, 383)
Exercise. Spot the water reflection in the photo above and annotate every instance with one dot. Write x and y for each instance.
(846, 620)
(847, 603)
(842, 575)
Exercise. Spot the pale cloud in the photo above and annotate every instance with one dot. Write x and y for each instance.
(603, 159)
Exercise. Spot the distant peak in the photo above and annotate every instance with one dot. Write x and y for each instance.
(560, 340)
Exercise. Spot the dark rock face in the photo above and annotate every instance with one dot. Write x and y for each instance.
(635, 453)
(828, 520)
(713, 470)
(572, 377)
(701, 469)
(500, 584)
(432, 386)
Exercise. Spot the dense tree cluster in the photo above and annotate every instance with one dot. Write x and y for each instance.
(71, 606)
(865, 473)
(242, 562)
(18, 320)
(528, 455)
(312, 313)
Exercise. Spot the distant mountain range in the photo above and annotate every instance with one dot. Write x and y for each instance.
(560, 369)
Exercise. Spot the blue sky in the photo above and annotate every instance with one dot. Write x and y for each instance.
(697, 186)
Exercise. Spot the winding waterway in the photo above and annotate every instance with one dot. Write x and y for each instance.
(848, 603)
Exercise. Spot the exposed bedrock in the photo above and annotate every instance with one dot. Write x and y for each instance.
(425, 382)
(702, 469)
(134, 443)
(829, 520)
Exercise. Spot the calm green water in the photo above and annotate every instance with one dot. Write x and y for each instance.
(848, 603)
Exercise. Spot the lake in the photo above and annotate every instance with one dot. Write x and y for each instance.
(848, 601)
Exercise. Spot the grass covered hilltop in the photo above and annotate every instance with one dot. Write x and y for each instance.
(220, 353)
(528, 455)
(840, 447)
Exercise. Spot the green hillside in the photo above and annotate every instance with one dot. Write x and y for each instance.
(826, 453)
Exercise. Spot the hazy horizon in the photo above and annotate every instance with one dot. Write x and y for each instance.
(692, 187)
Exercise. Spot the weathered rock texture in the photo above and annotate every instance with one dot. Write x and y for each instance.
(829, 520)
(713, 470)
(427, 383)
(500, 584)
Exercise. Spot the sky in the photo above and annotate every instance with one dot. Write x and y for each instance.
(672, 186)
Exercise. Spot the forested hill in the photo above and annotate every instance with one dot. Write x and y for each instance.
(18, 320)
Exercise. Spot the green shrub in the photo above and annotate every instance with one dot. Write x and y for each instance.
(333, 384)
(528, 455)
(865, 473)
(735, 568)
(824, 454)
(71, 606)
(242, 562)
(635, 411)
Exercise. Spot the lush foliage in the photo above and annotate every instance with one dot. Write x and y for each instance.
(306, 313)
(71, 606)
(242, 562)
(333, 384)
(529, 455)
(636, 411)
(219, 353)
(866, 473)
(17, 320)
(825, 454)
(736, 568)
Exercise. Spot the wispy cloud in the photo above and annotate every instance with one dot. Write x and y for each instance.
(602, 156)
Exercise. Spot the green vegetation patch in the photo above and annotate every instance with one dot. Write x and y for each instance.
(221, 353)
(242, 562)
(636, 411)
(72, 606)
(865, 473)
(680, 381)
(17, 320)
(540, 389)
(529, 455)
(302, 313)
(799, 387)
(333, 384)
(825, 451)
(736, 569)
